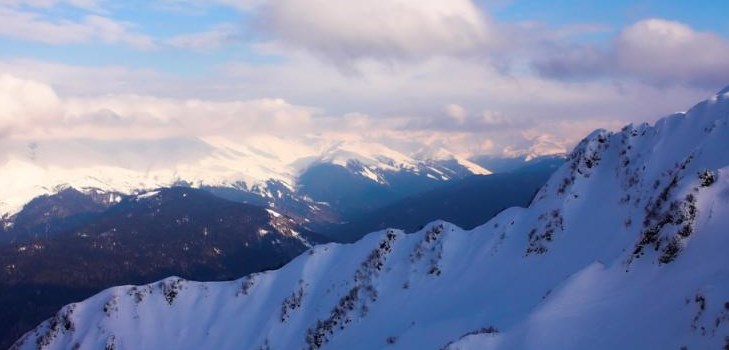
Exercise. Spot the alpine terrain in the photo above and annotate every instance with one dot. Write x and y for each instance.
(624, 247)
(69, 246)
(72, 243)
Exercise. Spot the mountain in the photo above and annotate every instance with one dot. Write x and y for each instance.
(497, 164)
(466, 202)
(624, 247)
(284, 199)
(290, 177)
(260, 165)
(48, 214)
(325, 194)
(139, 239)
(351, 193)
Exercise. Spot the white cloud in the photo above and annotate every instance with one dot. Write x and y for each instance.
(344, 31)
(456, 112)
(243, 5)
(24, 103)
(513, 113)
(33, 26)
(116, 117)
(404, 101)
(655, 51)
(187, 5)
(667, 51)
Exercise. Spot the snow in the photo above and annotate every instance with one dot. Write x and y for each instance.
(588, 264)
(273, 213)
(366, 172)
(444, 154)
(438, 153)
(149, 194)
(369, 154)
(472, 167)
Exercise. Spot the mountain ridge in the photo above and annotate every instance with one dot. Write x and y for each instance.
(139, 239)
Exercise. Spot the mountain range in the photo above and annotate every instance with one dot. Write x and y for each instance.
(261, 165)
(623, 247)
(68, 246)
(467, 202)
(103, 237)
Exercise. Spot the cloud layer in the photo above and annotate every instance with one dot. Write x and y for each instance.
(415, 75)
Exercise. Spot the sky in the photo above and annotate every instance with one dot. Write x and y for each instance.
(501, 77)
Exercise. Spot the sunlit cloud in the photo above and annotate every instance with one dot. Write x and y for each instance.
(412, 75)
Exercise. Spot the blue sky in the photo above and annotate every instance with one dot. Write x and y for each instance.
(477, 76)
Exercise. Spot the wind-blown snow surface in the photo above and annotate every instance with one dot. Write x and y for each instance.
(625, 247)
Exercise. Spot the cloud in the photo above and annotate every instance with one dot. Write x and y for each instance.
(23, 103)
(668, 51)
(468, 105)
(188, 5)
(221, 35)
(115, 117)
(344, 31)
(430, 74)
(656, 51)
(75, 80)
(456, 112)
(34, 26)
(33, 112)
(574, 62)
(408, 99)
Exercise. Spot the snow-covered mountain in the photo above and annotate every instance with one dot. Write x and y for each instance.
(624, 247)
(40, 168)
(467, 202)
(69, 246)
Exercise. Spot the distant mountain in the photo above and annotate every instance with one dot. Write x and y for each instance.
(181, 231)
(261, 165)
(280, 197)
(351, 187)
(316, 188)
(48, 214)
(499, 164)
(467, 202)
(623, 248)
(356, 188)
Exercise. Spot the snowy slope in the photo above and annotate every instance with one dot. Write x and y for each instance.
(625, 247)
